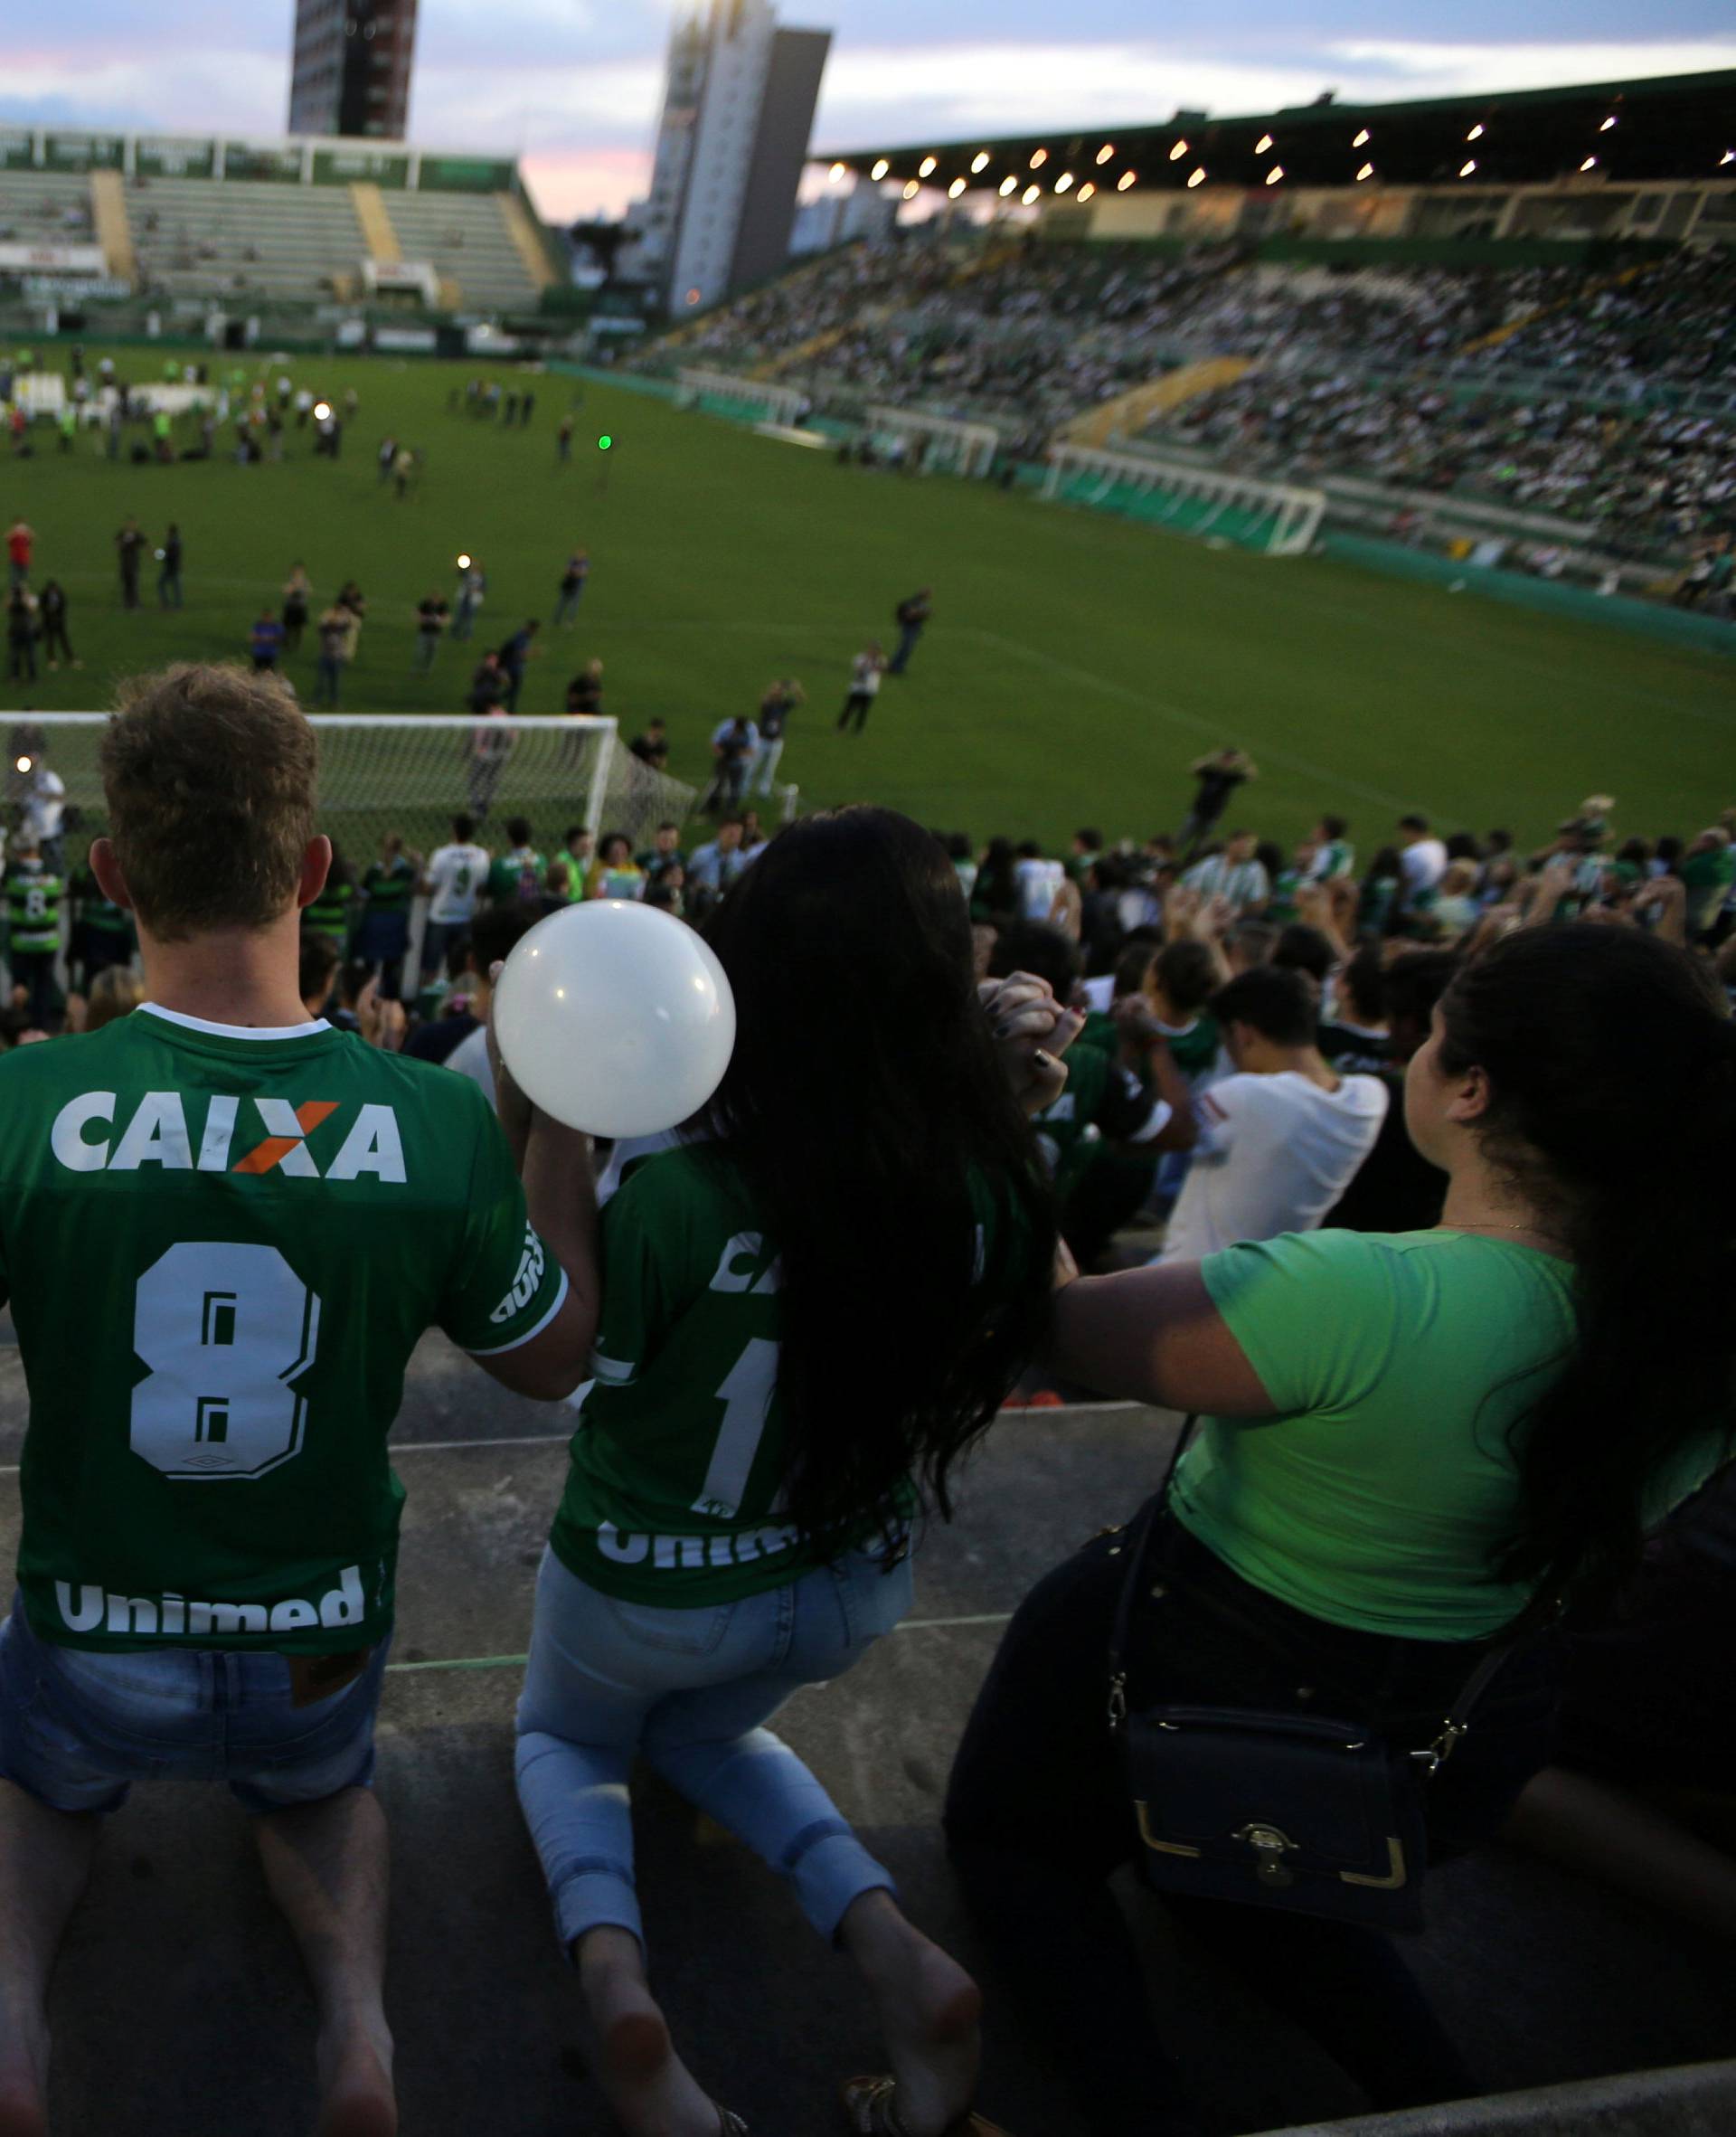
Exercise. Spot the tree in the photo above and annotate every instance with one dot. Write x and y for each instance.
(604, 241)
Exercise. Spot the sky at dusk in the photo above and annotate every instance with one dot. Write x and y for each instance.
(572, 86)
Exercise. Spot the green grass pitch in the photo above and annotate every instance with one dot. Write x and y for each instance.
(1074, 667)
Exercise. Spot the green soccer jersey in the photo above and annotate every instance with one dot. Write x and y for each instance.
(33, 907)
(1101, 1031)
(331, 913)
(678, 1465)
(1102, 1098)
(1193, 1048)
(1282, 906)
(221, 1248)
(389, 889)
(516, 878)
(96, 911)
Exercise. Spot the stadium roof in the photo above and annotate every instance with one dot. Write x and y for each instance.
(1678, 127)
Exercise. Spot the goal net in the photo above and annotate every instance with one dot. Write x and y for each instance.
(1274, 518)
(400, 773)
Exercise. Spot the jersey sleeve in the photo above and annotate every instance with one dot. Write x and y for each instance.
(639, 1295)
(506, 1286)
(1314, 1313)
(1128, 1112)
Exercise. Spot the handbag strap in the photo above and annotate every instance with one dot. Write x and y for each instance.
(1540, 1612)
(1138, 1544)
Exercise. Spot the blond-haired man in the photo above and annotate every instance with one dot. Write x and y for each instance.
(223, 1228)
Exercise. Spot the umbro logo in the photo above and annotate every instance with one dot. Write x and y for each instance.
(158, 1134)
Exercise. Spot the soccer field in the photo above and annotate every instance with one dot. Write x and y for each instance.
(1074, 667)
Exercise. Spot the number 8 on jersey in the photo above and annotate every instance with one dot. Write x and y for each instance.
(224, 1329)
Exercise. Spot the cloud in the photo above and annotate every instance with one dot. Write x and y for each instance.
(950, 90)
(531, 108)
(1448, 69)
(238, 92)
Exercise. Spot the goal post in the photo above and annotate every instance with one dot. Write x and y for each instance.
(1276, 518)
(400, 772)
(730, 391)
(970, 447)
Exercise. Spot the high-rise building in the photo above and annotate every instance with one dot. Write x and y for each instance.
(738, 109)
(351, 70)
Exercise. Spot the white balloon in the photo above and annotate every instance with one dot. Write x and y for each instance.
(615, 1018)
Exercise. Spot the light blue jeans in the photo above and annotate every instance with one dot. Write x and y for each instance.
(78, 1726)
(688, 1689)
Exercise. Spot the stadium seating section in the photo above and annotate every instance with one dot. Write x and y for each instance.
(465, 238)
(278, 244)
(1601, 396)
(45, 208)
(191, 237)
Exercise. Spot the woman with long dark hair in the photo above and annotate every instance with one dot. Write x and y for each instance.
(1406, 1439)
(994, 890)
(811, 1309)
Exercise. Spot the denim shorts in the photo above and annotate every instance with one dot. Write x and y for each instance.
(78, 1727)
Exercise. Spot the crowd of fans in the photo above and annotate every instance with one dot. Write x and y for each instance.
(1398, 373)
(1633, 477)
(1410, 1124)
(1144, 937)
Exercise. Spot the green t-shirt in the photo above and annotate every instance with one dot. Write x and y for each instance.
(678, 1464)
(33, 908)
(1384, 1488)
(221, 1248)
(1706, 877)
(516, 878)
(389, 889)
(1716, 865)
(1285, 884)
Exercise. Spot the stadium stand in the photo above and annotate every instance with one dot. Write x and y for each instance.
(192, 237)
(278, 223)
(468, 239)
(1607, 397)
(45, 207)
(1641, 480)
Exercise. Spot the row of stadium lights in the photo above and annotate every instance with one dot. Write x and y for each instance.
(1064, 183)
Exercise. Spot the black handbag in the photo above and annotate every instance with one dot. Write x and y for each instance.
(1301, 1811)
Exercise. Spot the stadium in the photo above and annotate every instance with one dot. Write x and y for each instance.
(1159, 683)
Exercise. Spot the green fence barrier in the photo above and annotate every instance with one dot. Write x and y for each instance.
(1181, 514)
(1555, 596)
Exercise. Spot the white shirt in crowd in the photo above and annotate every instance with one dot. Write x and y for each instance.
(1040, 884)
(1138, 908)
(724, 729)
(456, 875)
(1422, 866)
(470, 1058)
(865, 675)
(1243, 883)
(46, 804)
(1274, 1154)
